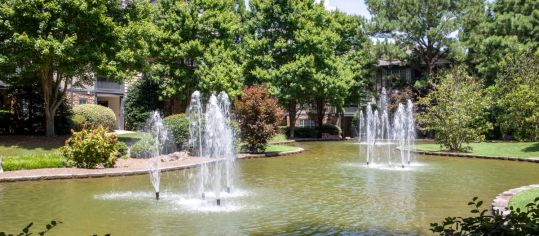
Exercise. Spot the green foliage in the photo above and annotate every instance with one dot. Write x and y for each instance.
(78, 121)
(34, 161)
(26, 230)
(259, 116)
(507, 27)
(330, 129)
(516, 98)
(90, 147)
(305, 53)
(517, 222)
(178, 127)
(305, 132)
(196, 47)
(142, 99)
(122, 149)
(60, 42)
(131, 138)
(95, 116)
(455, 110)
(143, 148)
(424, 27)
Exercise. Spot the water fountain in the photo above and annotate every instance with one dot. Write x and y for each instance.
(159, 140)
(378, 132)
(212, 137)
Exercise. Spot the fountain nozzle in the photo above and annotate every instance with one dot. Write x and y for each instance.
(203, 196)
(218, 202)
(156, 195)
(403, 166)
(228, 189)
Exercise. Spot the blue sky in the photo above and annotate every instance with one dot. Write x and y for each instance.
(356, 7)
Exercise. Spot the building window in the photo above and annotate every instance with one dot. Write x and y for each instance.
(83, 101)
(307, 123)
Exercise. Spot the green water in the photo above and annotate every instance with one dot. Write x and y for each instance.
(323, 191)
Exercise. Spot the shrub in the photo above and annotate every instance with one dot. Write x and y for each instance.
(5, 121)
(517, 222)
(456, 110)
(77, 122)
(122, 149)
(259, 116)
(178, 127)
(304, 132)
(330, 129)
(142, 98)
(94, 116)
(143, 148)
(90, 147)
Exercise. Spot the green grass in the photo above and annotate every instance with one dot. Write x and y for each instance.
(278, 138)
(51, 160)
(279, 148)
(504, 149)
(131, 138)
(520, 200)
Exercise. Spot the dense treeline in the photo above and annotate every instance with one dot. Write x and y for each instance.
(305, 54)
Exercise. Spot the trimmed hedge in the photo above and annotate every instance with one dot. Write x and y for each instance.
(178, 127)
(143, 148)
(303, 132)
(330, 129)
(93, 116)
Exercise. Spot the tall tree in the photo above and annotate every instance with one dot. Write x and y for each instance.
(60, 41)
(505, 28)
(298, 48)
(422, 26)
(272, 52)
(196, 45)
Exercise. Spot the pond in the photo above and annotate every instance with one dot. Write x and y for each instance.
(325, 190)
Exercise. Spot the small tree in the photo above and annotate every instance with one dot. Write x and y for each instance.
(259, 117)
(456, 109)
(517, 97)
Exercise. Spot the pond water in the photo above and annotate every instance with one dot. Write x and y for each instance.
(325, 190)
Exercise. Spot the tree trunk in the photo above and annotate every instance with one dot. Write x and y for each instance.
(292, 117)
(52, 96)
(320, 113)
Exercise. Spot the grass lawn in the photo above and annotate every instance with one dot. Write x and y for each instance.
(520, 200)
(279, 148)
(131, 138)
(278, 138)
(31, 152)
(512, 149)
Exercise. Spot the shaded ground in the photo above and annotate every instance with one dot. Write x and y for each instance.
(22, 145)
(503, 149)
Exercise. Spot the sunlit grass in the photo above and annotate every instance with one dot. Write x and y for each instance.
(51, 160)
(520, 200)
(504, 149)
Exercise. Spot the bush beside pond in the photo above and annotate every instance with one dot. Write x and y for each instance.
(90, 147)
(92, 116)
(142, 148)
(178, 128)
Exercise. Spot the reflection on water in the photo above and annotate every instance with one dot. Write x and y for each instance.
(326, 190)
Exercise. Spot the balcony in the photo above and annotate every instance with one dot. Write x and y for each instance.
(107, 86)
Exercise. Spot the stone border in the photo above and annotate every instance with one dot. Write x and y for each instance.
(114, 172)
(500, 204)
(466, 155)
(270, 154)
(111, 173)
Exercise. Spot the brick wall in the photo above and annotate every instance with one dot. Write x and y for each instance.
(74, 98)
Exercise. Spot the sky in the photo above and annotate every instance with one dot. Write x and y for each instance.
(354, 7)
